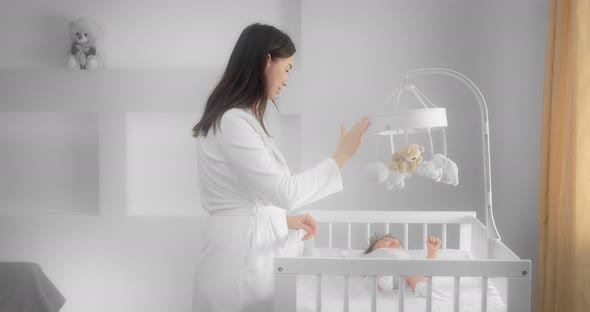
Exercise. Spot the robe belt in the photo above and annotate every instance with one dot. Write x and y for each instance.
(248, 211)
(258, 214)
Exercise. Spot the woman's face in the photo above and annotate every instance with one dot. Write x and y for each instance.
(277, 74)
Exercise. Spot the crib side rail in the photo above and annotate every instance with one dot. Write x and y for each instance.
(380, 221)
(516, 272)
(373, 266)
(474, 238)
(364, 216)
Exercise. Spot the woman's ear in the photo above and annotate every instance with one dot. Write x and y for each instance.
(268, 59)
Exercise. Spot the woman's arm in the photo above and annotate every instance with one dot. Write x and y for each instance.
(240, 139)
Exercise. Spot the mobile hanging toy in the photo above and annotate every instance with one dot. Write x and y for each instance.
(426, 118)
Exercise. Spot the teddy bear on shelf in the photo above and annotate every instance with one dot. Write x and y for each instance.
(406, 159)
(82, 53)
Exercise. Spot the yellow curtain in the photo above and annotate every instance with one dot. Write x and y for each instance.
(564, 208)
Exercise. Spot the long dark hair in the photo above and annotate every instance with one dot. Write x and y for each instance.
(243, 84)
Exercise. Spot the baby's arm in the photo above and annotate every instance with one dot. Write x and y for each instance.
(432, 244)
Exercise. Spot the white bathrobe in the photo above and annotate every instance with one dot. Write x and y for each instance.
(247, 187)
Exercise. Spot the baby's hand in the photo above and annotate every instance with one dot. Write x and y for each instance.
(432, 243)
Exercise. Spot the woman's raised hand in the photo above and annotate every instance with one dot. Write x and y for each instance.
(350, 141)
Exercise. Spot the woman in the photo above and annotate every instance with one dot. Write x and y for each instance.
(246, 184)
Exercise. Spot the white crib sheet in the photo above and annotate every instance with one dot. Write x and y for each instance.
(360, 293)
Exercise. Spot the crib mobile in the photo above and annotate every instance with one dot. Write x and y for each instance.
(409, 158)
(429, 119)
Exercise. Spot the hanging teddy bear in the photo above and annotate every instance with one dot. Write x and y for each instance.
(406, 159)
(402, 163)
(83, 53)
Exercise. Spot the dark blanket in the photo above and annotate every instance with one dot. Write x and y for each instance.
(25, 288)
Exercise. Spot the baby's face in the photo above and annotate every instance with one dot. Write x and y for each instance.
(387, 242)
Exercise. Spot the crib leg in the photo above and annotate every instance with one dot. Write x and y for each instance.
(285, 298)
(519, 294)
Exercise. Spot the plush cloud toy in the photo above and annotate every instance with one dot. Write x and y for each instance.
(378, 172)
(82, 53)
(440, 169)
(395, 180)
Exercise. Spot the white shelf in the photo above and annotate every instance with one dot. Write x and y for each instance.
(105, 91)
(131, 90)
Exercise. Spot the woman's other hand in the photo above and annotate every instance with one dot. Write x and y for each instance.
(350, 141)
(304, 222)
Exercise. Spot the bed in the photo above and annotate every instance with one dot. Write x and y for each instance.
(332, 276)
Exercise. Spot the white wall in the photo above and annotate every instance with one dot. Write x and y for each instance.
(136, 34)
(49, 163)
(351, 56)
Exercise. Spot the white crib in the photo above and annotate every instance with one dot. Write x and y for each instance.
(491, 261)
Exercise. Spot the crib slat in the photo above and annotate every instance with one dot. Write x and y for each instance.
(477, 243)
(368, 231)
(429, 294)
(402, 294)
(346, 292)
(318, 293)
(444, 236)
(386, 228)
(482, 246)
(476, 240)
(424, 235)
(466, 238)
(330, 234)
(406, 236)
(349, 235)
(485, 247)
(456, 294)
(484, 293)
(374, 293)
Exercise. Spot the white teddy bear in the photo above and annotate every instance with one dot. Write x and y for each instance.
(430, 170)
(440, 169)
(83, 49)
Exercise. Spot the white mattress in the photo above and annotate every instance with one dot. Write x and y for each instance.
(360, 292)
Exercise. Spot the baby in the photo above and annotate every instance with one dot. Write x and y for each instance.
(387, 246)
